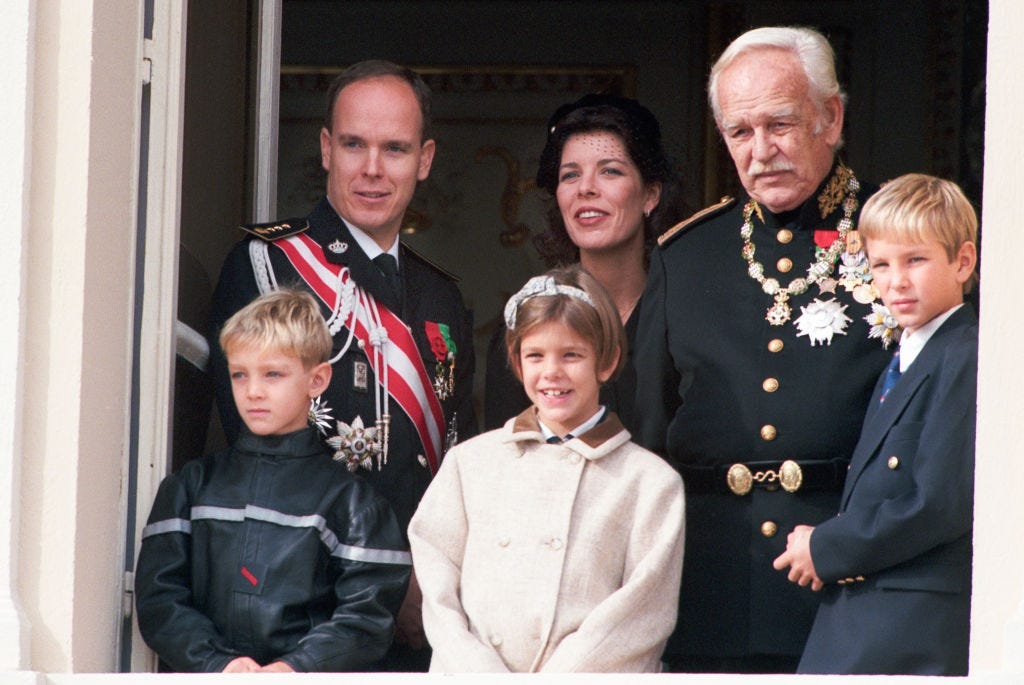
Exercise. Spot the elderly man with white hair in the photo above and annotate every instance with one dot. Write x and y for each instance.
(761, 337)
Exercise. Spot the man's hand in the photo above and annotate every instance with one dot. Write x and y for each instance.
(242, 664)
(409, 622)
(798, 558)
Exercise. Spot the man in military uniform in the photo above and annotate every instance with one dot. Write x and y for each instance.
(761, 338)
(403, 356)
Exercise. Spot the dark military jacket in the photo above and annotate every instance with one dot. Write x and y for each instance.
(430, 295)
(717, 385)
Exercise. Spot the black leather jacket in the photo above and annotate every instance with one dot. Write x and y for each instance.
(270, 550)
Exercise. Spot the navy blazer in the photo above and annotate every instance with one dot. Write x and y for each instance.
(897, 557)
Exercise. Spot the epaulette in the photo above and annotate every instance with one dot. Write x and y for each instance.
(444, 272)
(275, 230)
(681, 227)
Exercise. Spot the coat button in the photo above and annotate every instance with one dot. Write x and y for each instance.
(894, 462)
(770, 384)
(574, 458)
(768, 432)
(784, 265)
(504, 541)
(555, 544)
(495, 639)
(784, 235)
(775, 346)
(769, 529)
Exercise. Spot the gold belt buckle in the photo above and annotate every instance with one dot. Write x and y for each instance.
(791, 476)
(739, 479)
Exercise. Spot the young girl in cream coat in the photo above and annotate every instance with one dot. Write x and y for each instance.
(554, 543)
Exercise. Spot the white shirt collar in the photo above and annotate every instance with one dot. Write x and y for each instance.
(579, 430)
(366, 243)
(911, 345)
(369, 245)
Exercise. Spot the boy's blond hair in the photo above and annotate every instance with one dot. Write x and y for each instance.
(917, 208)
(597, 323)
(286, 321)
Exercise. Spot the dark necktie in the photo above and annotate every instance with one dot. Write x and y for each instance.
(555, 440)
(388, 266)
(892, 374)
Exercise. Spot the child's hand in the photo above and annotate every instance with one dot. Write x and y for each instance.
(242, 664)
(277, 667)
(798, 558)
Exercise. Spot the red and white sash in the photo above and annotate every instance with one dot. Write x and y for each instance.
(407, 379)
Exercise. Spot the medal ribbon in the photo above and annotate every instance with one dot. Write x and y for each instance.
(440, 338)
(408, 382)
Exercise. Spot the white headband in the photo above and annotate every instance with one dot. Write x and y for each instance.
(541, 286)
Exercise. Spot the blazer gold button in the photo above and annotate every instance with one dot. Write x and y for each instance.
(769, 529)
(784, 235)
(784, 265)
(770, 384)
(768, 432)
(894, 462)
(775, 346)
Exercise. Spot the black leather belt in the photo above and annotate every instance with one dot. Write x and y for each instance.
(789, 476)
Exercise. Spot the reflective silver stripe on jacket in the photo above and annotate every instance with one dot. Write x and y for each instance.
(167, 526)
(315, 521)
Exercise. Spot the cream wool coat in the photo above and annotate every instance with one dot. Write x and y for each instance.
(537, 557)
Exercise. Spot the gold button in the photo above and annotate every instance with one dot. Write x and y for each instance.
(859, 579)
(768, 432)
(894, 462)
(841, 581)
(770, 384)
(784, 235)
(775, 345)
(784, 265)
(769, 529)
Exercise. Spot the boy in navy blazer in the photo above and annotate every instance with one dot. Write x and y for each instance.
(895, 562)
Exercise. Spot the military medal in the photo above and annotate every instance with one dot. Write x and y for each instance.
(883, 325)
(356, 446)
(779, 313)
(821, 320)
(319, 415)
(444, 349)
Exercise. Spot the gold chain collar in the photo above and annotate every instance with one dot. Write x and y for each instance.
(843, 182)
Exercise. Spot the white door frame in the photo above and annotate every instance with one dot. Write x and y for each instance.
(164, 68)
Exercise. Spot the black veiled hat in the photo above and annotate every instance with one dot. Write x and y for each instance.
(641, 123)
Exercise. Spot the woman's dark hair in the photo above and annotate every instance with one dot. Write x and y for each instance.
(640, 133)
